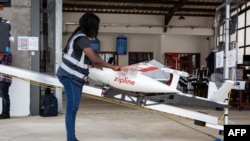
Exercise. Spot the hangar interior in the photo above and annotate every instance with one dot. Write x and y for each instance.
(180, 34)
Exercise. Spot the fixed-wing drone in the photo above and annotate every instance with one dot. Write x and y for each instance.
(142, 84)
(148, 77)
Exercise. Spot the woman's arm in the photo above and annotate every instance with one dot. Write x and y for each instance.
(97, 61)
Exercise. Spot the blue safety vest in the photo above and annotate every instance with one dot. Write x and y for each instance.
(77, 68)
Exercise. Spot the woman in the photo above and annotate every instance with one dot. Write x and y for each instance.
(78, 56)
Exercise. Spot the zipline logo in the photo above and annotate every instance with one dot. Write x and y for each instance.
(236, 132)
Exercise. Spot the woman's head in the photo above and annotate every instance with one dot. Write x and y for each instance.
(89, 24)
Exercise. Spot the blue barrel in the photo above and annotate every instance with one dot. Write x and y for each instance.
(121, 45)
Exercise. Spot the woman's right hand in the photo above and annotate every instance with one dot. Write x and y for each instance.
(116, 68)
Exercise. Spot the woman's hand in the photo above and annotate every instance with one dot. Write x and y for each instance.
(116, 68)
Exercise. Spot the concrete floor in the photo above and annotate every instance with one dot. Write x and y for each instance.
(99, 120)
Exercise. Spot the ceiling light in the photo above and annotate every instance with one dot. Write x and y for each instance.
(181, 18)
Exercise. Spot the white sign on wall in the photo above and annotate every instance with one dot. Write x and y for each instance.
(219, 59)
(231, 58)
(27, 43)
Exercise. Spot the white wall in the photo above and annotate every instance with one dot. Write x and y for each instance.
(19, 93)
(145, 34)
(135, 43)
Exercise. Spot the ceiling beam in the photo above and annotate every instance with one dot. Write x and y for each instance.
(202, 3)
(170, 14)
(88, 6)
(167, 8)
(125, 1)
(144, 2)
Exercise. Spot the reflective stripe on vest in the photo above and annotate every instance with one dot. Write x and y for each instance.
(71, 71)
(76, 62)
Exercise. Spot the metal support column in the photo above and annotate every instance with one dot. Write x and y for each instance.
(35, 58)
(226, 68)
(58, 47)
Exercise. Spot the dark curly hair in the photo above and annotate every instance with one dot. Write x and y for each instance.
(89, 24)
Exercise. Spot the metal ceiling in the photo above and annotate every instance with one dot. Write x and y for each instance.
(204, 8)
(168, 8)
